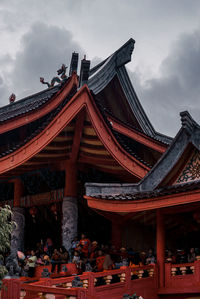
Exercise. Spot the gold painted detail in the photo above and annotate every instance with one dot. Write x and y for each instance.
(191, 171)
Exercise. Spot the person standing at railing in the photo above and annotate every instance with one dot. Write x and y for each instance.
(64, 255)
(85, 244)
(108, 262)
(191, 256)
(100, 261)
(170, 258)
(93, 250)
(31, 263)
(151, 259)
(56, 261)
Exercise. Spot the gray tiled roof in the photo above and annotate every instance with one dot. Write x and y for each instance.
(27, 104)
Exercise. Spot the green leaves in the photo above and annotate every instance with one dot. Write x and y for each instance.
(6, 227)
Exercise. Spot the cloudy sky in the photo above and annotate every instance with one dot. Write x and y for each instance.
(36, 36)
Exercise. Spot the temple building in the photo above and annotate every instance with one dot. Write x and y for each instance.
(82, 156)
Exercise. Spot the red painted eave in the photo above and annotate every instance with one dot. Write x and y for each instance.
(143, 204)
(138, 136)
(38, 113)
(81, 100)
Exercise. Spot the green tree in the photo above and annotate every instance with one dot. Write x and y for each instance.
(6, 227)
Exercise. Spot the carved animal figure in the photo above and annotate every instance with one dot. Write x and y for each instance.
(61, 72)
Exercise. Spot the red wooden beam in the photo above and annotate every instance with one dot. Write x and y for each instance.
(81, 99)
(144, 204)
(138, 136)
(96, 161)
(77, 136)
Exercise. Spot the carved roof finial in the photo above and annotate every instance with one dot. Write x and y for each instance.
(12, 98)
(187, 121)
(61, 72)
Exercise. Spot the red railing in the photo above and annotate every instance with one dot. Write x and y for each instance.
(182, 278)
(108, 284)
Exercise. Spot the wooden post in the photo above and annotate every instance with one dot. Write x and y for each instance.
(70, 180)
(18, 192)
(91, 286)
(197, 271)
(17, 235)
(128, 280)
(160, 248)
(69, 206)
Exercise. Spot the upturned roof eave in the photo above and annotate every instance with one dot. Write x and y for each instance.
(26, 110)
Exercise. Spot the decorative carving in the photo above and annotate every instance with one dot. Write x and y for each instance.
(12, 98)
(17, 236)
(70, 216)
(191, 172)
(63, 77)
(42, 198)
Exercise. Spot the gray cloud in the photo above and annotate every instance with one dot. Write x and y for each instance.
(153, 24)
(43, 49)
(177, 88)
(3, 90)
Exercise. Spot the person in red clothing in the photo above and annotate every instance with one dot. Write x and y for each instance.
(100, 261)
(85, 244)
(93, 250)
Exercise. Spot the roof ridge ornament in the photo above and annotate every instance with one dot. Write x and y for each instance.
(12, 98)
(187, 121)
(61, 72)
(123, 55)
(85, 71)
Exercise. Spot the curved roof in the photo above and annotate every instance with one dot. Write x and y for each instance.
(82, 99)
(114, 66)
(159, 188)
(35, 106)
(110, 95)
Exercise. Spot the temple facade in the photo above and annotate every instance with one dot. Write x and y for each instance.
(82, 156)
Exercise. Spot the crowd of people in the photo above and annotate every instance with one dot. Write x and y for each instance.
(92, 256)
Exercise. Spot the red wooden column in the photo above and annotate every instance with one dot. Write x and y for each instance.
(117, 234)
(18, 192)
(160, 234)
(17, 236)
(70, 206)
(70, 180)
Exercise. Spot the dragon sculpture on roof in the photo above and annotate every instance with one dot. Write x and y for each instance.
(63, 77)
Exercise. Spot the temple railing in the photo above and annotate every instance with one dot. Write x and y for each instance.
(182, 275)
(111, 283)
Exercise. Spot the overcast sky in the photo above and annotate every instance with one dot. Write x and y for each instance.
(36, 36)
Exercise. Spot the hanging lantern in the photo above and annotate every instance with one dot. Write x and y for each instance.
(54, 210)
(33, 212)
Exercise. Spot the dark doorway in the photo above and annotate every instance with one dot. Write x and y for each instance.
(95, 226)
(46, 223)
